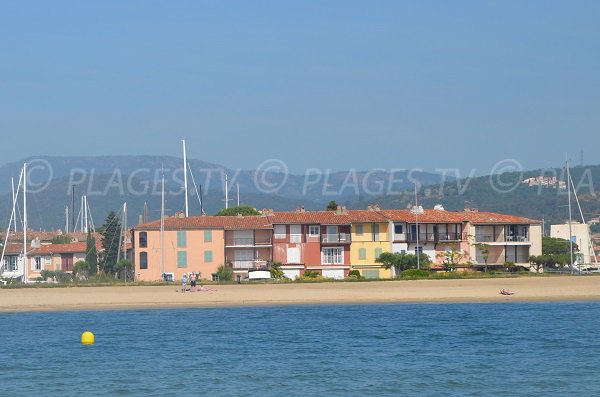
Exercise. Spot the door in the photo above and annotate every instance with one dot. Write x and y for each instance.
(244, 259)
(66, 262)
(243, 237)
(293, 255)
(332, 234)
(295, 233)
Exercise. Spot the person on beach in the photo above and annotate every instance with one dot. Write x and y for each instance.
(183, 282)
(193, 282)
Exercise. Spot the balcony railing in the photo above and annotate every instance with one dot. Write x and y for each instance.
(336, 238)
(491, 238)
(434, 237)
(247, 241)
(520, 239)
(249, 264)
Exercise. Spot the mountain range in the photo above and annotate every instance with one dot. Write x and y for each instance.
(109, 181)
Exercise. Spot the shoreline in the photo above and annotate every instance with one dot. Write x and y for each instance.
(527, 289)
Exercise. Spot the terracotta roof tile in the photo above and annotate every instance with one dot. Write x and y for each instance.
(215, 222)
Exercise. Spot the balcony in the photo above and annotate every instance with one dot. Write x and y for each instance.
(434, 237)
(249, 264)
(336, 238)
(247, 242)
(491, 238)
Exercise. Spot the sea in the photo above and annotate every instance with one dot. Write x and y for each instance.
(475, 349)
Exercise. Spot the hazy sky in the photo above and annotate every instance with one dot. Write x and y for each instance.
(323, 84)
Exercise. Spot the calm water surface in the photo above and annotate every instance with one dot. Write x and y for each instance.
(511, 349)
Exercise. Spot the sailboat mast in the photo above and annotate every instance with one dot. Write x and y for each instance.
(162, 226)
(570, 217)
(417, 224)
(226, 191)
(25, 222)
(185, 182)
(12, 181)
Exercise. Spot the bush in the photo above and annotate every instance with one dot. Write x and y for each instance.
(414, 273)
(225, 273)
(311, 274)
(354, 274)
(81, 270)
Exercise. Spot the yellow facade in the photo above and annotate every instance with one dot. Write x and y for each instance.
(369, 240)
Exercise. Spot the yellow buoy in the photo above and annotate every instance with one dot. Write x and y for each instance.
(87, 338)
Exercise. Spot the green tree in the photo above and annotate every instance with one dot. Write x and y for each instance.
(553, 245)
(245, 210)
(484, 248)
(332, 206)
(61, 239)
(276, 271)
(225, 273)
(124, 269)
(81, 270)
(111, 235)
(91, 254)
(450, 258)
(401, 261)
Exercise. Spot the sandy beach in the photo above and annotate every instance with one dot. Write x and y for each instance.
(433, 291)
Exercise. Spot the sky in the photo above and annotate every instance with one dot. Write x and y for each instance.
(317, 84)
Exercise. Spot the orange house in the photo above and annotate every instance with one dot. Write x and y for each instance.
(187, 245)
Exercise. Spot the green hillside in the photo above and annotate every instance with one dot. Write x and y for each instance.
(506, 194)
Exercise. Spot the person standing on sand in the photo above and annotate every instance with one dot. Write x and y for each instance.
(193, 282)
(183, 282)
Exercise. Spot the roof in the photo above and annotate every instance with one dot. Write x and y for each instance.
(317, 217)
(332, 218)
(13, 248)
(442, 216)
(207, 222)
(70, 248)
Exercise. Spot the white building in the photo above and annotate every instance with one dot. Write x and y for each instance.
(580, 235)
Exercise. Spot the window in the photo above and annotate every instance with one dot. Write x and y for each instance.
(143, 240)
(181, 239)
(37, 263)
(378, 252)
(333, 256)
(208, 236)
(279, 231)
(208, 256)
(418, 250)
(10, 263)
(362, 253)
(359, 229)
(143, 260)
(398, 229)
(314, 230)
(375, 231)
(181, 259)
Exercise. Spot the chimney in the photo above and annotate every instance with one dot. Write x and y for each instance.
(300, 209)
(439, 207)
(267, 212)
(374, 207)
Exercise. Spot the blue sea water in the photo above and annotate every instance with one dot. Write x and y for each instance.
(510, 349)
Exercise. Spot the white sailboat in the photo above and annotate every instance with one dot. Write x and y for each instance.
(580, 267)
(16, 269)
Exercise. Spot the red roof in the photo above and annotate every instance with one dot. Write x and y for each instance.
(207, 222)
(13, 249)
(332, 218)
(317, 217)
(70, 248)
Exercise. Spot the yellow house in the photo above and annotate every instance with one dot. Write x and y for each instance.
(370, 238)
